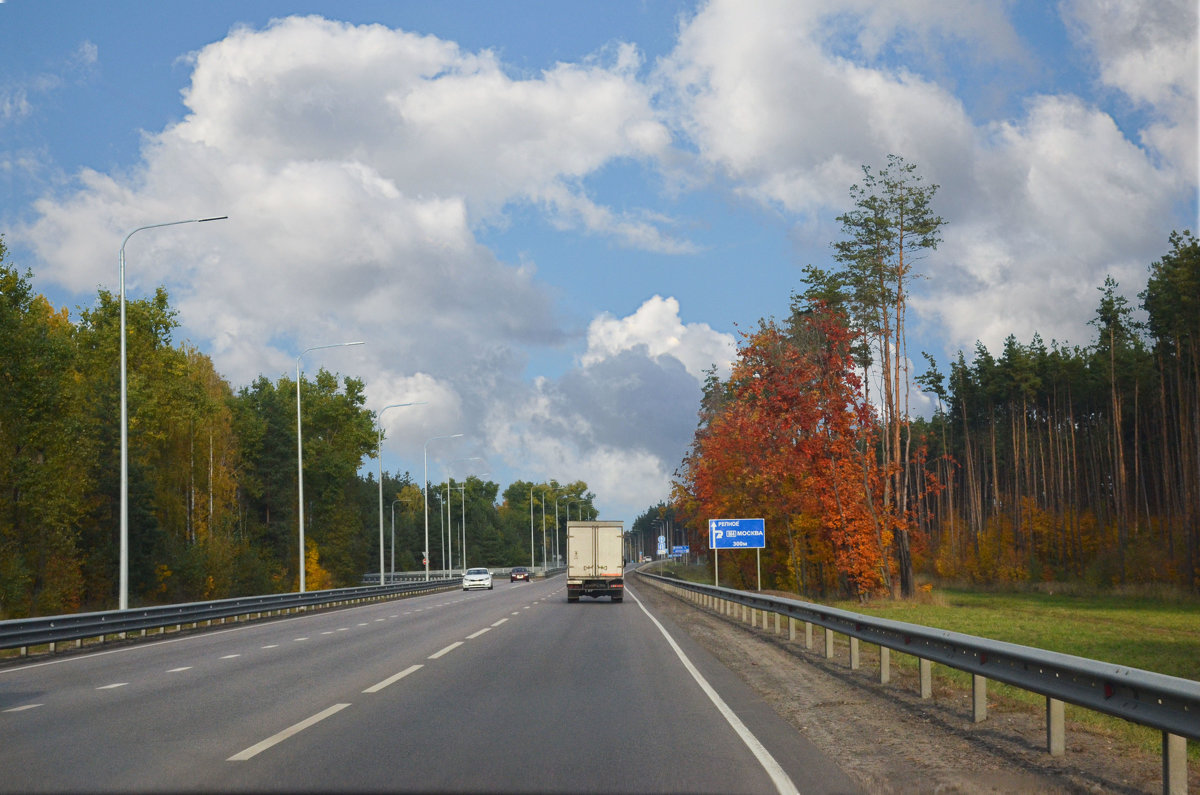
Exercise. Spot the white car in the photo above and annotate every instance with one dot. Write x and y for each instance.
(477, 578)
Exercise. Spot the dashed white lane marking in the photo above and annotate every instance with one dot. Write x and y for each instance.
(297, 640)
(23, 708)
(364, 624)
(178, 670)
(343, 629)
(327, 632)
(501, 621)
(379, 619)
(113, 686)
(779, 777)
(257, 749)
(230, 656)
(271, 646)
(393, 679)
(474, 635)
(446, 650)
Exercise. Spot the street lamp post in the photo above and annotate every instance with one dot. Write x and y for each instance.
(532, 552)
(379, 450)
(545, 552)
(557, 557)
(300, 447)
(449, 524)
(393, 566)
(463, 549)
(123, 597)
(532, 562)
(463, 490)
(425, 491)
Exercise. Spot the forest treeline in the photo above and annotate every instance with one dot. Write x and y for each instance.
(1041, 461)
(213, 508)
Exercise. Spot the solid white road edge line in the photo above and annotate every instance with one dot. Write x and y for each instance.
(393, 679)
(783, 783)
(255, 750)
(446, 650)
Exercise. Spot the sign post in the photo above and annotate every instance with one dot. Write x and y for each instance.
(735, 534)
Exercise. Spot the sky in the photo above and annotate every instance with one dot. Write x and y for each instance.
(548, 220)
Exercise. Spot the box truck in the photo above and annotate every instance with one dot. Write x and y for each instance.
(595, 560)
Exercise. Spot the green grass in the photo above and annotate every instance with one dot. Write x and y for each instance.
(1161, 635)
(1153, 635)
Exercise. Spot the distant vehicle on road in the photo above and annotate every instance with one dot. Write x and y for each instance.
(477, 578)
(595, 560)
(518, 573)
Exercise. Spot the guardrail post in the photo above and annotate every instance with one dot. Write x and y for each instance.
(978, 698)
(1056, 741)
(777, 617)
(808, 643)
(828, 644)
(926, 667)
(753, 617)
(885, 665)
(791, 628)
(853, 653)
(1174, 764)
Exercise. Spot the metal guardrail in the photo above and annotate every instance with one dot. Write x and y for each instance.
(371, 578)
(1168, 703)
(24, 632)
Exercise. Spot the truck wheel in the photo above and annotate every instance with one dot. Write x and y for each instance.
(572, 598)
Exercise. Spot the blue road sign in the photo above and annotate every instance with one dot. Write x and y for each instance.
(737, 534)
(680, 550)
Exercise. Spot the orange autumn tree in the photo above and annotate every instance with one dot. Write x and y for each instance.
(789, 438)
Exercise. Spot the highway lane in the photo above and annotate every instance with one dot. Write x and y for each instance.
(504, 690)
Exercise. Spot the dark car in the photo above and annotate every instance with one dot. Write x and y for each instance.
(519, 573)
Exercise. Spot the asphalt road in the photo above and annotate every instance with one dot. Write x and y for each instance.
(510, 690)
